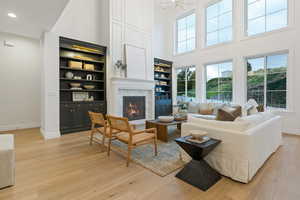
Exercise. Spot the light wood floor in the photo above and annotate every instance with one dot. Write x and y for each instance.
(68, 168)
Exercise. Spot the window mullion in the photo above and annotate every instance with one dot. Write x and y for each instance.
(265, 81)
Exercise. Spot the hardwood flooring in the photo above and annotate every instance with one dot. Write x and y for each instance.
(69, 169)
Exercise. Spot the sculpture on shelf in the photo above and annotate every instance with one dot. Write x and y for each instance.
(121, 69)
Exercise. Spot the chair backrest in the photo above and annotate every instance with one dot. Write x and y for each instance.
(119, 123)
(97, 118)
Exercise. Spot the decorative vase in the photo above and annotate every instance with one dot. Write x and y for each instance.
(69, 75)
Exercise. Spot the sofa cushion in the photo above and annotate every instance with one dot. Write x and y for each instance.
(232, 126)
(193, 107)
(256, 119)
(207, 117)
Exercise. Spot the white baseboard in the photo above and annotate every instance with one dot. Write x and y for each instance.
(13, 127)
(50, 134)
(291, 131)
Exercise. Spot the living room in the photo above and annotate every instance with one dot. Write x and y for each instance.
(149, 99)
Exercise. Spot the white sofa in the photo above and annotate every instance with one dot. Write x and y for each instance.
(246, 143)
(7, 161)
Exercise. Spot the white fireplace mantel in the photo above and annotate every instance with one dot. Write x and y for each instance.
(132, 87)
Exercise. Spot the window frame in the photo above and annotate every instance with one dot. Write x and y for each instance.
(246, 21)
(186, 81)
(186, 14)
(232, 24)
(205, 77)
(265, 56)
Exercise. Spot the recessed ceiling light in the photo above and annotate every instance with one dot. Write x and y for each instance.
(12, 15)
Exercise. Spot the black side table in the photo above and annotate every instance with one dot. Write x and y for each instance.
(197, 172)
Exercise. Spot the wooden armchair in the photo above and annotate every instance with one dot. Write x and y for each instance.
(103, 128)
(130, 136)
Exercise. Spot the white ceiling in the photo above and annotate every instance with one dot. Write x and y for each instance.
(33, 16)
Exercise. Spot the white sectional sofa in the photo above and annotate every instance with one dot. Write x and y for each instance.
(246, 143)
(7, 161)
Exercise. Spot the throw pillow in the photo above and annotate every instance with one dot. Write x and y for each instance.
(260, 108)
(217, 107)
(193, 107)
(206, 112)
(229, 114)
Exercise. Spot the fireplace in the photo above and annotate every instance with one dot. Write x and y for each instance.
(134, 107)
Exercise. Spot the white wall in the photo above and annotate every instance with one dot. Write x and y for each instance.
(19, 83)
(285, 39)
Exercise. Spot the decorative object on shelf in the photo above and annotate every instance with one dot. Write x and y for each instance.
(89, 77)
(86, 49)
(84, 58)
(75, 86)
(77, 77)
(75, 64)
(80, 96)
(166, 119)
(89, 67)
(121, 69)
(182, 4)
(89, 87)
(69, 75)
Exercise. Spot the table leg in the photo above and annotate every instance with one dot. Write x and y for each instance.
(199, 174)
(162, 133)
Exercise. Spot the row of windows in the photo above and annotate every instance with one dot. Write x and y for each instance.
(262, 16)
(266, 81)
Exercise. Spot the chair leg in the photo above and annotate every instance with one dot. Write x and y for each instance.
(128, 156)
(92, 137)
(108, 149)
(155, 147)
(103, 141)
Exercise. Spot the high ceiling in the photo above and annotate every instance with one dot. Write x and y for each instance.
(33, 16)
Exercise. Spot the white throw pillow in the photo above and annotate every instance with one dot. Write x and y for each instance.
(193, 107)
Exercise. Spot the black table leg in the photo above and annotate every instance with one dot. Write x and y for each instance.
(199, 174)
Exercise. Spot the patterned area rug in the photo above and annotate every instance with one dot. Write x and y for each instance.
(168, 158)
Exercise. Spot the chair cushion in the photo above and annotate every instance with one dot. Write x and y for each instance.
(138, 138)
(6, 142)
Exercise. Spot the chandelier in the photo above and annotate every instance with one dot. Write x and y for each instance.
(176, 3)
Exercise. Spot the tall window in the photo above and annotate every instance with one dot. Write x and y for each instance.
(219, 82)
(219, 22)
(186, 83)
(186, 34)
(267, 80)
(266, 15)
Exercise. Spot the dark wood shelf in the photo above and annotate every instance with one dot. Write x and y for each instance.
(83, 90)
(162, 79)
(162, 72)
(82, 80)
(78, 59)
(82, 70)
(81, 51)
(158, 65)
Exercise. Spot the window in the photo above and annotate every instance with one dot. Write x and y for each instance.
(267, 80)
(219, 82)
(186, 83)
(219, 23)
(266, 15)
(186, 34)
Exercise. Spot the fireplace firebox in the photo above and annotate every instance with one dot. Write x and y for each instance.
(134, 107)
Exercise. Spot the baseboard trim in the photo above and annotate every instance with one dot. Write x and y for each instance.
(291, 131)
(13, 127)
(50, 134)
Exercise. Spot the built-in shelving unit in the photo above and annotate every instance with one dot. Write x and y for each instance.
(82, 65)
(163, 87)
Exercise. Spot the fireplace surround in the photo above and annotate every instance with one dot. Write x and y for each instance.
(127, 87)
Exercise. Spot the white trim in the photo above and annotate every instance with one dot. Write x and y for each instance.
(50, 135)
(291, 131)
(19, 126)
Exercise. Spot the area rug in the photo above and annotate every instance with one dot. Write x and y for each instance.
(168, 158)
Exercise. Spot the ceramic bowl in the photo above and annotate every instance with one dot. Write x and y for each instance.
(75, 85)
(166, 119)
(89, 87)
(198, 134)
